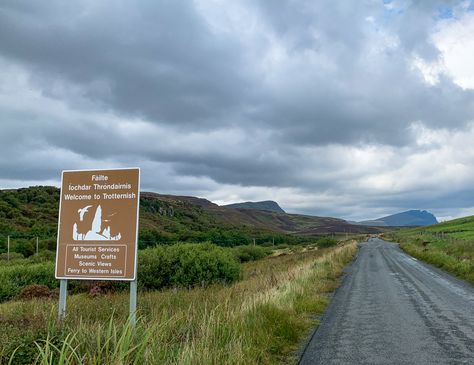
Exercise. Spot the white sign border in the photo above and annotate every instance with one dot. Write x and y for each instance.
(136, 233)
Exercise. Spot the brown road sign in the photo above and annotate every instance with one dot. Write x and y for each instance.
(98, 224)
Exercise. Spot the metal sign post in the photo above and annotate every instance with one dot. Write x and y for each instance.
(133, 284)
(8, 249)
(98, 229)
(62, 299)
(133, 303)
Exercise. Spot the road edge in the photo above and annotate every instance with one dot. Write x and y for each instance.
(305, 344)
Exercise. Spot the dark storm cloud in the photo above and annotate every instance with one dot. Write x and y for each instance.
(161, 61)
(158, 60)
(257, 95)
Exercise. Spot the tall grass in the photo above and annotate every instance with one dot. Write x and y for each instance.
(50, 354)
(259, 320)
(444, 251)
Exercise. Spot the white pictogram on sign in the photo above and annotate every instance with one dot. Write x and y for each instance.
(94, 231)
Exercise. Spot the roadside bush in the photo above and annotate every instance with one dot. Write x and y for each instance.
(43, 256)
(186, 265)
(13, 256)
(14, 278)
(99, 287)
(34, 291)
(163, 266)
(24, 246)
(326, 242)
(251, 253)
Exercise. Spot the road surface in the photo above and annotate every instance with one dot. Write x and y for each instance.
(393, 309)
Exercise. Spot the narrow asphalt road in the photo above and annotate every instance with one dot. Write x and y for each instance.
(393, 309)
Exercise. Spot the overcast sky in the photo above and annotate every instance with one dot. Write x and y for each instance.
(353, 109)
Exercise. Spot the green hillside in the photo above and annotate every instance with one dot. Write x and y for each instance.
(29, 212)
(448, 245)
(462, 228)
(32, 212)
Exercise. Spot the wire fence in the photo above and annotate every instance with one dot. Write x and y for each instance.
(447, 236)
(35, 243)
(29, 243)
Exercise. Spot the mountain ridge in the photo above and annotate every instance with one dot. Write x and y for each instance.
(409, 218)
(268, 205)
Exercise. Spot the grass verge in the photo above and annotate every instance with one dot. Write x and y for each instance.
(259, 320)
(451, 254)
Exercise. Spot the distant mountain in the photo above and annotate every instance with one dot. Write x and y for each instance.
(269, 205)
(410, 218)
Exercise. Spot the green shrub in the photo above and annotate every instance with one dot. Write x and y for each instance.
(24, 246)
(159, 267)
(325, 242)
(14, 278)
(11, 257)
(251, 253)
(186, 265)
(43, 256)
(34, 291)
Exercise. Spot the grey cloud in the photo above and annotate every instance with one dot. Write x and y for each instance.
(158, 60)
(163, 64)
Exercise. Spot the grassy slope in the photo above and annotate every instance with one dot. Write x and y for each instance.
(448, 245)
(259, 320)
(256, 219)
(462, 228)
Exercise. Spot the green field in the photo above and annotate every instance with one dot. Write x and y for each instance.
(260, 319)
(448, 245)
(462, 228)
